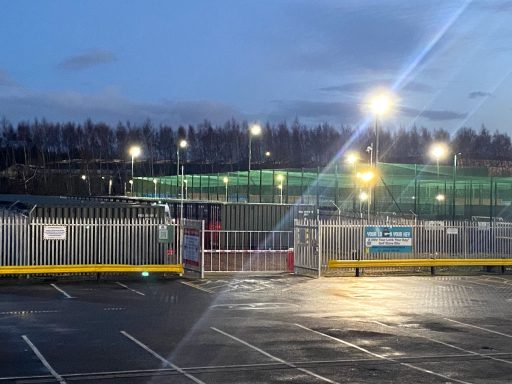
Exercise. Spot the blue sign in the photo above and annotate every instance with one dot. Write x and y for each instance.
(396, 239)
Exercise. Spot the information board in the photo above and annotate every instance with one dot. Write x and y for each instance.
(54, 232)
(381, 239)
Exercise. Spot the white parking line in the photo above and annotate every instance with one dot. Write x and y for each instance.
(306, 371)
(190, 284)
(383, 357)
(486, 356)
(163, 360)
(130, 289)
(466, 350)
(43, 360)
(68, 296)
(477, 327)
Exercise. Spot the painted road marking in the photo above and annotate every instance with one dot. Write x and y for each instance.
(190, 284)
(28, 312)
(163, 360)
(466, 350)
(382, 356)
(291, 365)
(43, 360)
(68, 296)
(130, 289)
(487, 356)
(477, 327)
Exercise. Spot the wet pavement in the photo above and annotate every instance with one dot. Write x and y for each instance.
(277, 329)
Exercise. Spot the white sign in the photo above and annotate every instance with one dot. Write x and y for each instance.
(452, 231)
(434, 225)
(388, 242)
(191, 246)
(54, 232)
(483, 225)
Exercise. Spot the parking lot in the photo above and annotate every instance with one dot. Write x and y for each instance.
(444, 329)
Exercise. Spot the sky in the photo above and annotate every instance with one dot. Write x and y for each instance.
(447, 63)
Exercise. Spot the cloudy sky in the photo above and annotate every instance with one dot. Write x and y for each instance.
(449, 63)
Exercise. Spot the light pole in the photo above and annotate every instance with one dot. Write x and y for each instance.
(280, 187)
(352, 158)
(134, 152)
(254, 130)
(131, 187)
(155, 181)
(454, 182)
(380, 104)
(181, 144)
(226, 181)
(366, 177)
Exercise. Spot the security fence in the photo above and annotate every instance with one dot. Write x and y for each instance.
(424, 191)
(399, 242)
(47, 245)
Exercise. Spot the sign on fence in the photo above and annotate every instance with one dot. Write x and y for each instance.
(192, 246)
(388, 239)
(165, 233)
(54, 232)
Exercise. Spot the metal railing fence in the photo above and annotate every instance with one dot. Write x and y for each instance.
(318, 242)
(82, 241)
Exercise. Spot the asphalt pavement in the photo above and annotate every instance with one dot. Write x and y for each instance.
(274, 329)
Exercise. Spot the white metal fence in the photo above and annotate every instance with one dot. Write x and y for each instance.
(247, 251)
(317, 242)
(79, 241)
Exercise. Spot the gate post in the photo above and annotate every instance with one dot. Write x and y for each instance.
(202, 249)
(319, 248)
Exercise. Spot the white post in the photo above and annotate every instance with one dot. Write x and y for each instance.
(319, 249)
(202, 249)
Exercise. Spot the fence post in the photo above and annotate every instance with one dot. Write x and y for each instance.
(202, 249)
(319, 248)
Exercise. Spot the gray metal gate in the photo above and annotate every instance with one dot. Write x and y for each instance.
(307, 250)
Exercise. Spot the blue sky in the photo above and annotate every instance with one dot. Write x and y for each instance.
(448, 62)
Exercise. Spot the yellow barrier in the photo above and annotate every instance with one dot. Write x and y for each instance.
(88, 268)
(418, 263)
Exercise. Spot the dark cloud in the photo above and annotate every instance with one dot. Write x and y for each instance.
(87, 60)
(364, 86)
(478, 94)
(358, 35)
(434, 115)
(315, 110)
(111, 108)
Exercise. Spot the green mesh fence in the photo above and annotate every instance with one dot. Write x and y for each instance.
(401, 189)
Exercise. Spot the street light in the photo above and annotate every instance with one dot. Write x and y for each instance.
(381, 103)
(134, 152)
(155, 181)
(254, 130)
(226, 181)
(352, 158)
(367, 177)
(280, 178)
(454, 180)
(438, 151)
(181, 144)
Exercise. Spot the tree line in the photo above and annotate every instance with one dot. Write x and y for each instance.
(34, 150)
